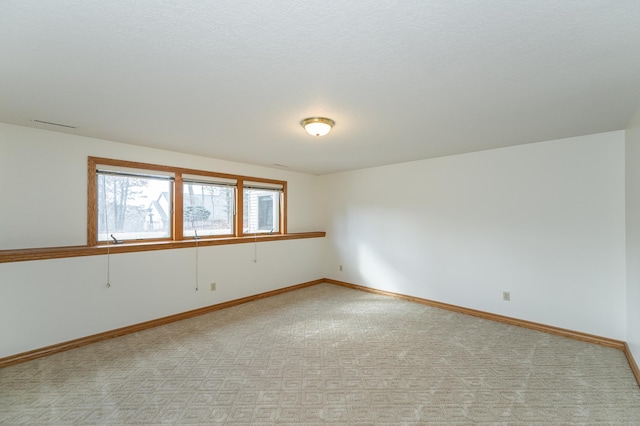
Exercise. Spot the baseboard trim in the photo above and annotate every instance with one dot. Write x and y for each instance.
(83, 341)
(632, 363)
(590, 338)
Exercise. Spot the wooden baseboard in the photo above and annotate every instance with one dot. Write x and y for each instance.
(65, 346)
(632, 363)
(590, 338)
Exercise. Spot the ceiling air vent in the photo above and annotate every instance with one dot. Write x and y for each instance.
(54, 124)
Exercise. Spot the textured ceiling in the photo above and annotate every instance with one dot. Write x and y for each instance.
(404, 80)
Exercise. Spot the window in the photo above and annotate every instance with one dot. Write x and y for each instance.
(133, 206)
(262, 204)
(130, 201)
(209, 207)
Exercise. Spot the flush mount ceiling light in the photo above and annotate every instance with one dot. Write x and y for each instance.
(317, 126)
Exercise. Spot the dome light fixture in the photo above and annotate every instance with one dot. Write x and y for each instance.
(317, 126)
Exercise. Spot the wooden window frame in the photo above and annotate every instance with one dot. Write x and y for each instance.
(177, 234)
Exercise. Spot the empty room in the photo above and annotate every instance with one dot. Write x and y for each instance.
(377, 212)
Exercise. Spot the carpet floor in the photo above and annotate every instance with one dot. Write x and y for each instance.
(326, 355)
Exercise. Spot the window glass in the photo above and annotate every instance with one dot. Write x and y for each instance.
(133, 207)
(208, 209)
(261, 213)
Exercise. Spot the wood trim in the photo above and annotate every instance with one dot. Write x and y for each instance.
(131, 164)
(576, 335)
(178, 206)
(632, 363)
(240, 208)
(159, 167)
(283, 210)
(83, 341)
(22, 255)
(92, 205)
(181, 170)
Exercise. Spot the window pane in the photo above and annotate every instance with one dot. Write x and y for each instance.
(208, 209)
(133, 208)
(261, 211)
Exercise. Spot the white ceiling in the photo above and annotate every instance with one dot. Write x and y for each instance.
(403, 79)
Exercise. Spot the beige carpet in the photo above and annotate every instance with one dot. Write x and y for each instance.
(326, 354)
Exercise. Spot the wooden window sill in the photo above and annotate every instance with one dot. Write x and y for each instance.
(22, 255)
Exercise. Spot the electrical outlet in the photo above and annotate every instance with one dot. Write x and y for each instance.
(340, 267)
(506, 296)
(213, 286)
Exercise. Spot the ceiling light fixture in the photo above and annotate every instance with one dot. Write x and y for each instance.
(317, 126)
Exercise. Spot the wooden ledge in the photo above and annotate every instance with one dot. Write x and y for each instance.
(22, 255)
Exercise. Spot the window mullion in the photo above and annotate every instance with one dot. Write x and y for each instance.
(178, 208)
(92, 204)
(283, 209)
(240, 209)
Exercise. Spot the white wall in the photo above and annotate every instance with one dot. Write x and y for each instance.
(633, 236)
(545, 221)
(43, 193)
